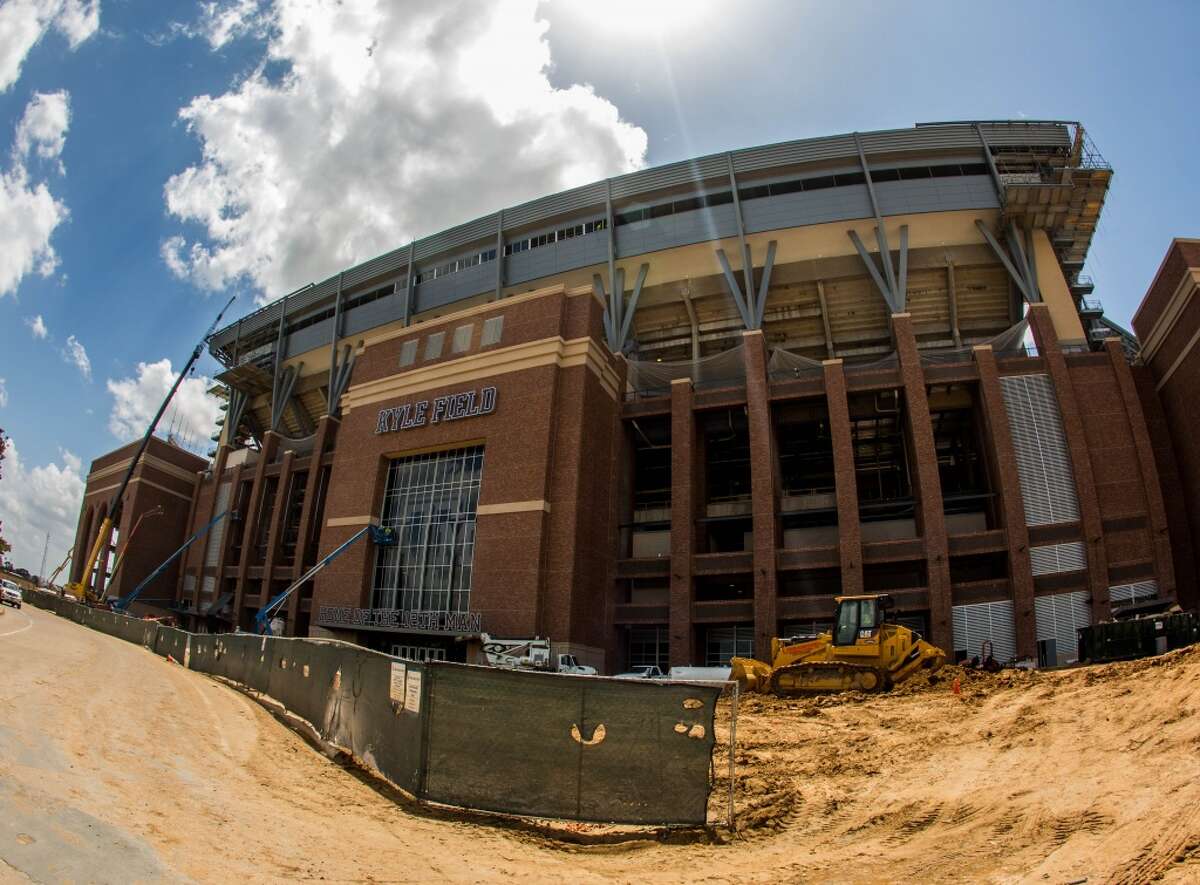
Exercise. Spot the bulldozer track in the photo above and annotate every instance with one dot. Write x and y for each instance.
(826, 669)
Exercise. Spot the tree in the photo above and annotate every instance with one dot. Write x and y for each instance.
(4, 545)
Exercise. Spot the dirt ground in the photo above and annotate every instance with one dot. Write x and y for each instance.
(116, 766)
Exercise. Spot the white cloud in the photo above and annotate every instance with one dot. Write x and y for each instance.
(43, 127)
(221, 22)
(24, 22)
(3, 393)
(193, 413)
(391, 121)
(75, 354)
(39, 500)
(29, 213)
(37, 326)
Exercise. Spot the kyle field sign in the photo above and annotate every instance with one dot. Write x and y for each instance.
(451, 407)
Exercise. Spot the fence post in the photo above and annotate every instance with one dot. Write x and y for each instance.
(733, 711)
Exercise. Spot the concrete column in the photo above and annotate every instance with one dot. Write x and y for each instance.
(1012, 503)
(764, 486)
(931, 518)
(1156, 511)
(327, 426)
(849, 527)
(684, 505)
(1081, 465)
(270, 442)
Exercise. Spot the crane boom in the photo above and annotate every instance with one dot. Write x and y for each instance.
(113, 511)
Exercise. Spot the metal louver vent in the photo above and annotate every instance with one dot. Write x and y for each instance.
(1059, 617)
(208, 586)
(1040, 445)
(212, 550)
(986, 621)
(189, 585)
(1053, 558)
(1140, 591)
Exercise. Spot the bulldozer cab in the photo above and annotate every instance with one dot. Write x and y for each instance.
(859, 618)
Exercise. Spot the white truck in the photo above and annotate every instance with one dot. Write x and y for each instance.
(530, 654)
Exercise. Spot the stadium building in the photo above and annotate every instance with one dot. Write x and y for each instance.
(665, 417)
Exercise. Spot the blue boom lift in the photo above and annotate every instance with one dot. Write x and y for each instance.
(122, 604)
(381, 537)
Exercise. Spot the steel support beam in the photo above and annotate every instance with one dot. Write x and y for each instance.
(952, 295)
(410, 288)
(765, 284)
(238, 401)
(893, 290)
(500, 255)
(734, 289)
(335, 333)
(285, 384)
(627, 310)
(991, 163)
(747, 269)
(825, 318)
(1018, 272)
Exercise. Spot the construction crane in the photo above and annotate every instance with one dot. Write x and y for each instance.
(62, 565)
(151, 513)
(80, 589)
(122, 604)
(380, 537)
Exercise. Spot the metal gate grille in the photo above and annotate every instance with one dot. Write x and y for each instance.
(212, 550)
(985, 620)
(1140, 591)
(1059, 617)
(1040, 445)
(1053, 558)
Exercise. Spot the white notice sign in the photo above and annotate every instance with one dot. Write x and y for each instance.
(397, 686)
(412, 697)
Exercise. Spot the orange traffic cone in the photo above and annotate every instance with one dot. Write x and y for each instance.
(956, 686)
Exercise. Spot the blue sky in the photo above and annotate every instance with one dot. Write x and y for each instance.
(394, 129)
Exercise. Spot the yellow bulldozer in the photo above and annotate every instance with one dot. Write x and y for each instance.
(864, 652)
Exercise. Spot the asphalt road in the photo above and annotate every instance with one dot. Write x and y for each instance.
(117, 766)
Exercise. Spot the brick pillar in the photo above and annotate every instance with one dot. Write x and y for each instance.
(1081, 465)
(849, 528)
(1012, 503)
(270, 442)
(684, 503)
(764, 488)
(275, 530)
(326, 428)
(931, 519)
(620, 508)
(1156, 511)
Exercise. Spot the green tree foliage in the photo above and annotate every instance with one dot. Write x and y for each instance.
(4, 545)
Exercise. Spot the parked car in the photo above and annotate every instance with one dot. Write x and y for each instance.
(642, 673)
(10, 593)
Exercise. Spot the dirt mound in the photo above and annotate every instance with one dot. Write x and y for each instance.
(1089, 771)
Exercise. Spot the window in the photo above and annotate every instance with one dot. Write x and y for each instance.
(431, 501)
(462, 338)
(493, 328)
(408, 352)
(433, 345)
(648, 648)
(723, 643)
